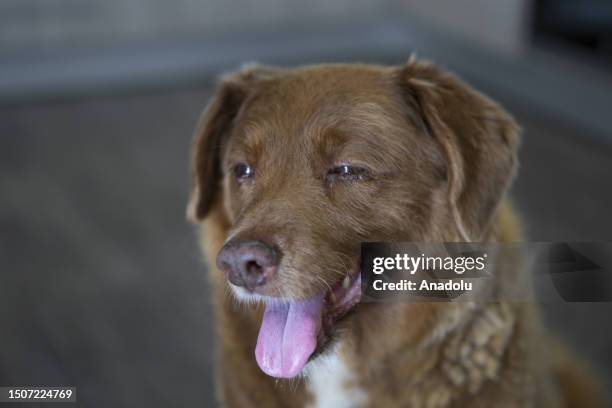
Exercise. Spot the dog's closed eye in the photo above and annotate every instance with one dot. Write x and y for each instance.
(345, 172)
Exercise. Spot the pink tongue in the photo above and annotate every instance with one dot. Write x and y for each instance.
(288, 336)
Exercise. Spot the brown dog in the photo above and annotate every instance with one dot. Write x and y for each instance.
(293, 168)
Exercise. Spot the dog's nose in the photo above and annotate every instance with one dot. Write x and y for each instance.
(248, 264)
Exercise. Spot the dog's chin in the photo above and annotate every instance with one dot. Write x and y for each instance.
(295, 332)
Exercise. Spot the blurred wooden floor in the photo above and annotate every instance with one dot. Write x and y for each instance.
(101, 284)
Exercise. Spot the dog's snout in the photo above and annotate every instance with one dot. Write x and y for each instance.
(248, 264)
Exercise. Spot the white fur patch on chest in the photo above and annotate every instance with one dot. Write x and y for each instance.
(332, 384)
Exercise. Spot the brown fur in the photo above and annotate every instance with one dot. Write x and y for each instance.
(441, 157)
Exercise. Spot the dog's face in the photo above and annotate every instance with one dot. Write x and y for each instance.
(305, 164)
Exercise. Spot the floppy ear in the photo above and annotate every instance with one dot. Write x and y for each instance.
(478, 139)
(214, 124)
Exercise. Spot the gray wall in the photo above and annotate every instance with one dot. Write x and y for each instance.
(44, 23)
(26, 24)
(501, 25)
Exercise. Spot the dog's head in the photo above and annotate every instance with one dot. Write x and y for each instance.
(307, 163)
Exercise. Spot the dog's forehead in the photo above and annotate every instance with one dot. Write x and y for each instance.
(306, 103)
(310, 89)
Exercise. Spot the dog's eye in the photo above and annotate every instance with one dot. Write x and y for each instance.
(243, 171)
(346, 172)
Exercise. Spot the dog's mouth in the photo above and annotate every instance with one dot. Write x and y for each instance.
(292, 331)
